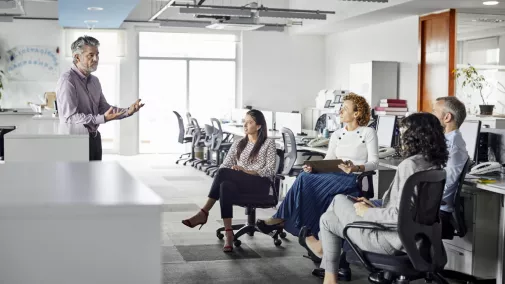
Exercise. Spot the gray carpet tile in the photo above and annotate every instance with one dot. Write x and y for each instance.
(233, 221)
(215, 252)
(195, 256)
(271, 270)
(170, 254)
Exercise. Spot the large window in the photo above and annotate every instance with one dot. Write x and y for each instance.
(108, 74)
(183, 72)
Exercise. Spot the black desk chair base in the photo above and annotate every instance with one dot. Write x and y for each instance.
(250, 229)
(183, 157)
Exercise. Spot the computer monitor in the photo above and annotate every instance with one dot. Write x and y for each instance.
(470, 130)
(269, 117)
(289, 120)
(386, 130)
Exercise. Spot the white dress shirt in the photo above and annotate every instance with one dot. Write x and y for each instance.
(359, 146)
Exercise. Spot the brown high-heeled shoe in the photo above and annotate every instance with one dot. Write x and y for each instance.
(188, 223)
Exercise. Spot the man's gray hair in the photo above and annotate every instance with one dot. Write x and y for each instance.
(454, 107)
(78, 45)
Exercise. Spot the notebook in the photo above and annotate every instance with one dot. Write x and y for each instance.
(325, 166)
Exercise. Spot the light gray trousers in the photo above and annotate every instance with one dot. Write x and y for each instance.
(340, 213)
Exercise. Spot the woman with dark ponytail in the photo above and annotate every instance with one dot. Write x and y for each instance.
(247, 170)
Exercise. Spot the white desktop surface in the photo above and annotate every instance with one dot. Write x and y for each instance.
(78, 222)
(47, 129)
(45, 117)
(47, 140)
(239, 131)
(55, 184)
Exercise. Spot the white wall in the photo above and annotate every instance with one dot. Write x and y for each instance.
(281, 72)
(29, 32)
(391, 41)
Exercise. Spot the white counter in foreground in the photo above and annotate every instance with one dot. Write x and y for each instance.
(47, 140)
(77, 223)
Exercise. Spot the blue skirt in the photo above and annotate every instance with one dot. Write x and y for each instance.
(310, 196)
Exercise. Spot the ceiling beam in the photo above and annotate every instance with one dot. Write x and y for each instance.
(262, 8)
(155, 16)
(216, 12)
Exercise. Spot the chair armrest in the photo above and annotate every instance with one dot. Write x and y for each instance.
(370, 226)
(310, 153)
(279, 177)
(366, 174)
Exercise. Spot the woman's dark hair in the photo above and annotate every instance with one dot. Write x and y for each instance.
(259, 118)
(424, 135)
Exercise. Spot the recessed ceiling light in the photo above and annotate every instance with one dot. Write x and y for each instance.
(95, 8)
(91, 21)
(490, 3)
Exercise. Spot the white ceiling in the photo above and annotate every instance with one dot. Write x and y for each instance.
(348, 14)
(352, 15)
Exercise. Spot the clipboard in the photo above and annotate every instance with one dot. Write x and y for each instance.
(325, 166)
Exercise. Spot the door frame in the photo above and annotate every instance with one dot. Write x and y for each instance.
(450, 15)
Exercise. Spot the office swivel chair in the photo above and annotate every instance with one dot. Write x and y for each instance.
(220, 146)
(197, 141)
(189, 130)
(419, 230)
(183, 139)
(207, 142)
(291, 153)
(251, 203)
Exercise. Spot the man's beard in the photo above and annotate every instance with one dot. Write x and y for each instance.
(92, 68)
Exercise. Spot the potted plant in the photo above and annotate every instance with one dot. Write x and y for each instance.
(473, 79)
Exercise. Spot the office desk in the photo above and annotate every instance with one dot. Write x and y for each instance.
(239, 131)
(47, 140)
(77, 223)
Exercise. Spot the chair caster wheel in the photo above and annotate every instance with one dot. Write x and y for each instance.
(251, 234)
(177, 162)
(237, 243)
(220, 236)
(283, 235)
(277, 242)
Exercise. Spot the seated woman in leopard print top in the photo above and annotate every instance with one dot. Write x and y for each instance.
(247, 170)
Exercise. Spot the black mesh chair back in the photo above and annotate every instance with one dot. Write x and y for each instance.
(180, 121)
(217, 134)
(290, 151)
(458, 215)
(419, 226)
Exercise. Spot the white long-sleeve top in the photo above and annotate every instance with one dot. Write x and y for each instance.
(359, 146)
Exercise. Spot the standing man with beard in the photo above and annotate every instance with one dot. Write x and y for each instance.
(80, 98)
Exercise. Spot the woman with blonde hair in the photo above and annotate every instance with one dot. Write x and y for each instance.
(312, 193)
